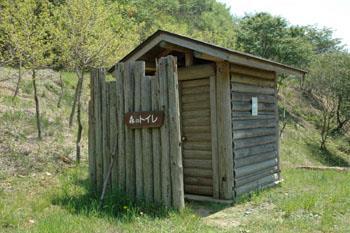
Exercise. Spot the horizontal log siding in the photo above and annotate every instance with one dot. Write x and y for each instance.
(255, 141)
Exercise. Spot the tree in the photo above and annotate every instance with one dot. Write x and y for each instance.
(26, 27)
(270, 37)
(329, 83)
(90, 33)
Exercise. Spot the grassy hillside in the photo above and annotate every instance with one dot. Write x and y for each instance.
(41, 190)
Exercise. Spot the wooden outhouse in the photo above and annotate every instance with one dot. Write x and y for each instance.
(227, 111)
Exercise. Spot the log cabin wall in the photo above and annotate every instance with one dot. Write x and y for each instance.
(255, 138)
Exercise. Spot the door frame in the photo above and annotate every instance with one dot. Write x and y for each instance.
(200, 72)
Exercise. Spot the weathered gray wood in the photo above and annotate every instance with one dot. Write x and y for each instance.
(263, 74)
(196, 129)
(198, 146)
(177, 185)
(164, 134)
(214, 142)
(98, 130)
(248, 116)
(203, 190)
(244, 88)
(198, 181)
(203, 121)
(255, 132)
(277, 128)
(197, 172)
(195, 106)
(197, 163)
(193, 151)
(196, 83)
(248, 179)
(253, 168)
(257, 184)
(240, 162)
(129, 133)
(207, 199)
(244, 79)
(119, 75)
(195, 98)
(197, 90)
(237, 96)
(251, 124)
(92, 131)
(139, 76)
(224, 129)
(195, 137)
(253, 150)
(240, 106)
(156, 143)
(113, 132)
(196, 113)
(105, 129)
(196, 72)
(147, 141)
(248, 142)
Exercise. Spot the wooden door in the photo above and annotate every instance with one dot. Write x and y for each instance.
(196, 127)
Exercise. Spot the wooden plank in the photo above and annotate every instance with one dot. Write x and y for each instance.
(164, 134)
(129, 133)
(195, 137)
(139, 157)
(253, 150)
(190, 197)
(249, 116)
(248, 142)
(196, 113)
(147, 140)
(250, 133)
(195, 106)
(240, 162)
(237, 96)
(105, 129)
(244, 79)
(253, 168)
(196, 154)
(277, 129)
(177, 185)
(98, 130)
(197, 90)
(256, 185)
(196, 129)
(197, 172)
(198, 163)
(92, 131)
(156, 143)
(244, 70)
(214, 142)
(203, 190)
(251, 124)
(196, 83)
(248, 179)
(197, 121)
(113, 132)
(224, 129)
(244, 88)
(196, 72)
(239, 106)
(119, 75)
(201, 146)
(195, 98)
(198, 181)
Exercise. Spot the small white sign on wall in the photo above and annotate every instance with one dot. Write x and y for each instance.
(254, 106)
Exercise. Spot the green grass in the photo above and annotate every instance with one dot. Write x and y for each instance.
(40, 193)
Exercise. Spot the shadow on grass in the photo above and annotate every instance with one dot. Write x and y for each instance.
(326, 157)
(116, 204)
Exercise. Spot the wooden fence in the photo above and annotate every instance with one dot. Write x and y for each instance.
(146, 162)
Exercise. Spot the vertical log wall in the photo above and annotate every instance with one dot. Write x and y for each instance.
(147, 163)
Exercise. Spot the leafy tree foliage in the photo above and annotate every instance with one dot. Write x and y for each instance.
(329, 82)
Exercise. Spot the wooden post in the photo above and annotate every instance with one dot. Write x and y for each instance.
(147, 141)
(164, 133)
(277, 128)
(157, 190)
(129, 133)
(119, 75)
(214, 139)
(177, 185)
(113, 131)
(139, 76)
(105, 125)
(224, 120)
(92, 132)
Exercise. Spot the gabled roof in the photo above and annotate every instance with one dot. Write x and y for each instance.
(202, 49)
